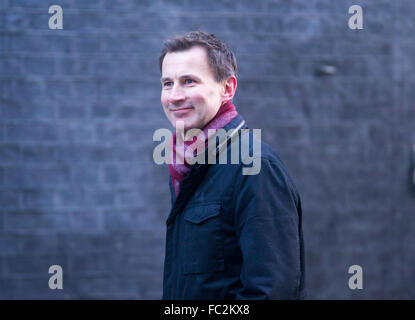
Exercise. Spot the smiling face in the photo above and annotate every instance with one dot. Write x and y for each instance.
(189, 91)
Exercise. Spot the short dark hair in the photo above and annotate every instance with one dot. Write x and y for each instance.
(220, 56)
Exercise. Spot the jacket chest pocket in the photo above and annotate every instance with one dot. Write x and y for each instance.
(203, 239)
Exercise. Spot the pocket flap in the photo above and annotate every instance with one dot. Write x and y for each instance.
(201, 213)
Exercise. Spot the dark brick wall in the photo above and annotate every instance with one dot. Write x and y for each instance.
(78, 108)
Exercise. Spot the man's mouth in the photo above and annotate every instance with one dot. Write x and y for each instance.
(180, 111)
(180, 108)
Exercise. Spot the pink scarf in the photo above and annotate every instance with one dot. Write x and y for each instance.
(178, 171)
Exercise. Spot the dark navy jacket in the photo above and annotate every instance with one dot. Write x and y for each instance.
(235, 236)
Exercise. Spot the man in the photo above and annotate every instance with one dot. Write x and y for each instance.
(229, 235)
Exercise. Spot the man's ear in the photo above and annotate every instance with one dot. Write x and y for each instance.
(229, 88)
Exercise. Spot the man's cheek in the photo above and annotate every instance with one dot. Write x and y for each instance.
(164, 98)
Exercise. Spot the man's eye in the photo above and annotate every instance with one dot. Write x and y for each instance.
(188, 81)
(167, 84)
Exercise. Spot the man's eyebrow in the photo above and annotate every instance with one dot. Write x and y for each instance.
(162, 79)
(190, 76)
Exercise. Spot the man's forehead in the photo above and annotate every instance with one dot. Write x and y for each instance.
(193, 60)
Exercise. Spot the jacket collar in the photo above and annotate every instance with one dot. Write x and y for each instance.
(237, 124)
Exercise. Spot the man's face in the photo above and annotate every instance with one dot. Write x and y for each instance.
(189, 91)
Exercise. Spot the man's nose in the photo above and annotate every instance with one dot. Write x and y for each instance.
(176, 95)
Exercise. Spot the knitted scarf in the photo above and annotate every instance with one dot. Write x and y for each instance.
(178, 171)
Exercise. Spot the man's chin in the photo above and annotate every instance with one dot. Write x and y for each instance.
(185, 124)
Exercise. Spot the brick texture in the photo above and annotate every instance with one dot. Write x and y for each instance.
(78, 108)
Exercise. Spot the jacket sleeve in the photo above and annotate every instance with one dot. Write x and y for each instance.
(267, 228)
